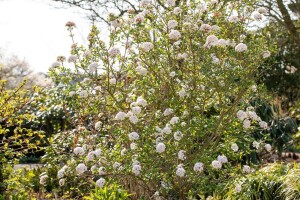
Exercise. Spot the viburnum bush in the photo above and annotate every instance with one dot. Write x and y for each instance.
(162, 106)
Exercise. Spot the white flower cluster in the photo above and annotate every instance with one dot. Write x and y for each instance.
(198, 167)
(160, 147)
(134, 136)
(147, 46)
(43, 179)
(248, 116)
(181, 155)
(180, 171)
(172, 24)
(241, 47)
(81, 168)
(141, 70)
(113, 51)
(174, 35)
(78, 151)
(234, 147)
(136, 169)
(61, 172)
(100, 182)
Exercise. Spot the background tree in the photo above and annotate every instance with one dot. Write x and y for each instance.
(15, 70)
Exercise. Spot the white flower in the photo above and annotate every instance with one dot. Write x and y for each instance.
(141, 70)
(216, 164)
(43, 179)
(255, 144)
(133, 146)
(170, 3)
(141, 101)
(123, 151)
(181, 56)
(116, 23)
(222, 159)
(91, 156)
(72, 93)
(139, 18)
(98, 125)
(268, 147)
(241, 115)
(55, 64)
(180, 171)
(172, 74)
(246, 169)
(234, 147)
(238, 188)
(181, 155)
(254, 88)
(174, 35)
(145, 3)
(98, 152)
(147, 46)
(93, 168)
(113, 81)
(233, 18)
(252, 115)
(205, 27)
(83, 94)
(167, 130)
(198, 167)
(214, 1)
(61, 172)
(100, 182)
(172, 24)
(263, 125)
(136, 169)
(81, 168)
(222, 43)
(246, 123)
(61, 182)
(257, 16)
(134, 136)
(262, 10)
(101, 171)
(113, 51)
(136, 110)
(177, 135)
(177, 11)
(116, 165)
(241, 47)
(242, 37)
(215, 28)
(160, 147)
(72, 59)
(133, 119)
(98, 88)
(182, 93)
(93, 67)
(174, 120)
(120, 116)
(168, 111)
(78, 151)
(211, 40)
(266, 54)
(215, 60)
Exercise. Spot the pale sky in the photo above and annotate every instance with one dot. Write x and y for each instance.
(35, 30)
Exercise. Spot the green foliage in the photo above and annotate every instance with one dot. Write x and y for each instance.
(111, 192)
(272, 182)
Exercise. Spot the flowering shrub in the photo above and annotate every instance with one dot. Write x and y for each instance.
(16, 136)
(163, 106)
